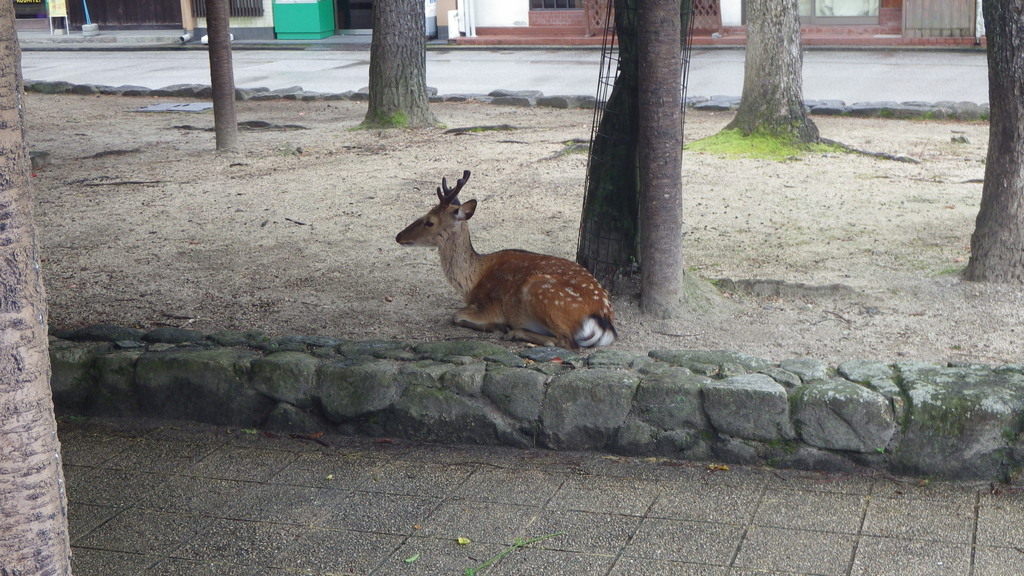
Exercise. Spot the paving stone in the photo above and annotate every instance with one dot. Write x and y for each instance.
(685, 541)
(897, 557)
(392, 501)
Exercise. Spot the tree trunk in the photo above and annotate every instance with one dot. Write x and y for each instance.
(398, 67)
(609, 223)
(661, 145)
(222, 75)
(33, 506)
(997, 245)
(772, 102)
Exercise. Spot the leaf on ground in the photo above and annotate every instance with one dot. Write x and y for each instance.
(463, 541)
(412, 558)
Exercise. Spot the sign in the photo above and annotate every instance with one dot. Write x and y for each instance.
(57, 8)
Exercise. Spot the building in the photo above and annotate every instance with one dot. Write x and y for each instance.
(540, 22)
(723, 22)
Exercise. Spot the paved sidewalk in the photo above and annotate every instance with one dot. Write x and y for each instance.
(341, 63)
(170, 498)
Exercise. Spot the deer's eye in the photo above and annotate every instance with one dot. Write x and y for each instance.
(428, 224)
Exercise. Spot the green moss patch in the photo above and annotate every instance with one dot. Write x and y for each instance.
(758, 145)
(395, 120)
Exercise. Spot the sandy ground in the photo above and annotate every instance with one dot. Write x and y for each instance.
(143, 224)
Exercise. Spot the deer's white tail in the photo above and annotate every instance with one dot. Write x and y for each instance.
(595, 331)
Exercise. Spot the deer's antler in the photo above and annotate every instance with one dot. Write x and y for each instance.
(447, 197)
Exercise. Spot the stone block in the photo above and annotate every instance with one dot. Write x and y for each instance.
(438, 415)
(750, 406)
(72, 364)
(169, 335)
(583, 409)
(288, 418)
(115, 384)
(58, 87)
(671, 400)
(345, 390)
(808, 369)
(287, 377)
(699, 360)
(502, 93)
(962, 422)
(864, 371)
(204, 385)
(100, 333)
(518, 392)
(466, 380)
(440, 351)
(840, 415)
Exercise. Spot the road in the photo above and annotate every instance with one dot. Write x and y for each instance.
(851, 76)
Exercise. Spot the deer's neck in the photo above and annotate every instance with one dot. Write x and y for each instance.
(459, 261)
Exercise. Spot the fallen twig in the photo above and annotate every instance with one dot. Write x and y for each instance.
(125, 182)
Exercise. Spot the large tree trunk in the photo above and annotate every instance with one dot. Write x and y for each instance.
(398, 67)
(33, 506)
(661, 145)
(997, 245)
(222, 75)
(772, 102)
(609, 225)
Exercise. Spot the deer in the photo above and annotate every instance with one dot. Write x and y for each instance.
(536, 298)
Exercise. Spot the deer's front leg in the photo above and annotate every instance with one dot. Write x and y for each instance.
(483, 320)
(535, 338)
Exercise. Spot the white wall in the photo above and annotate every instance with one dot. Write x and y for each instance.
(732, 12)
(502, 12)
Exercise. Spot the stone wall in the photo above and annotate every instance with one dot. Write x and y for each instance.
(957, 422)
(965, 111)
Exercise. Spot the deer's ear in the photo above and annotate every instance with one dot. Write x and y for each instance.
(466, 210)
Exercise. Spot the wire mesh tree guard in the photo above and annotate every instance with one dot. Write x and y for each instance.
(609, 227)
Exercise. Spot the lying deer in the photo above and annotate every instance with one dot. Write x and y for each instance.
(542, 299)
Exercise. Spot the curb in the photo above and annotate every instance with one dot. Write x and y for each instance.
(958, 421)
(962, 111)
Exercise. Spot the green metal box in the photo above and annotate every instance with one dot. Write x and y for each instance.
(303, 19)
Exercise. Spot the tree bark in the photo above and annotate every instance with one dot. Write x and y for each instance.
(33, 507)
(222, 75)
(997, 245)
(772, 102)
(609, 225)
(661, 144)
(398, 67)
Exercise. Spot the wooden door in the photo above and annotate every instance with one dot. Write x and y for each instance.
(938, 18)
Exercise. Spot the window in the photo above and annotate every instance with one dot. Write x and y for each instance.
(831, 11)
(238, 8)
(552, 4)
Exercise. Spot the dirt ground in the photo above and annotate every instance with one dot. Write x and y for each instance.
(143, 224)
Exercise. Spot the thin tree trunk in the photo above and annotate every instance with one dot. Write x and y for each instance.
(222, 75)
(772, 101)
(33, 506)
(997, 245)
(398, 67)
(661, 144)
